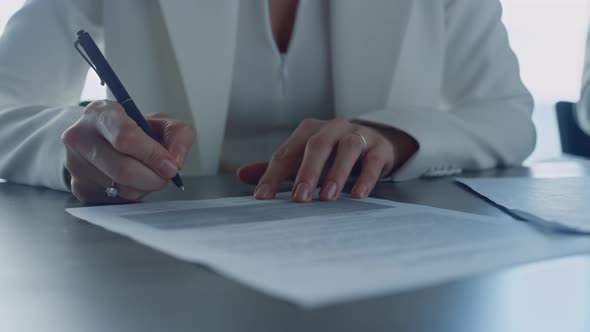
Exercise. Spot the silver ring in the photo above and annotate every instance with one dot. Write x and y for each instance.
(112, 190)
(364, 144)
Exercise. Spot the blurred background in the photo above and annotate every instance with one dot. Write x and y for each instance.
(548, 36)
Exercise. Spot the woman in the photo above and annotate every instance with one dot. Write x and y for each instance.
(407, 88)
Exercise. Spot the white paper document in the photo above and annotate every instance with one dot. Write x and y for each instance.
(560, 203)
(320, 253)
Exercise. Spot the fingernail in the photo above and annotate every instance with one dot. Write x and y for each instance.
(361, 191)
(167, 168)
(263, 192)
(302, 192)
(179, 161)
(180, 156)
(330, 190)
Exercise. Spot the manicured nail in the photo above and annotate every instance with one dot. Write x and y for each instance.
(167, 169)
(263, 192)
(302, 193)
(361, 191)
(179, 161)
(180, 157)
(329, 190)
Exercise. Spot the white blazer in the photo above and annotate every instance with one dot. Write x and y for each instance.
(440, 70)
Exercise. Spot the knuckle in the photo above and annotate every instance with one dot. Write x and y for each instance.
(106, 119)
(89, 111)
(308, 123)
(69, 136)
(340, 122)
(108, 108)
(318, 142)
(351, 141)
(97, 106)
(101, 103)
(126, 138)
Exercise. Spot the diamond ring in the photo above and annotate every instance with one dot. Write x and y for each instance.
(112, 190)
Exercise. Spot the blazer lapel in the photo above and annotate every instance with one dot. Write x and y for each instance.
(202, 34)
(366, 40)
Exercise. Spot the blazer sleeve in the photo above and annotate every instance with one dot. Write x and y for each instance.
(41, 79)
(583, 107)
(484, 120)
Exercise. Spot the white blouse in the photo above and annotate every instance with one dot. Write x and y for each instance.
(278, 90)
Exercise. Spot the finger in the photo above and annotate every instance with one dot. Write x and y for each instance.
(128, 138)
(89, 193)
(318, 149)
(175, 136)
(119, 167)
(80, 168)
(252, 173)
(127, 193)
(86, 174)
(82, 188)
(286, 160)
(373, 165)
(283, 164)
(349, 149)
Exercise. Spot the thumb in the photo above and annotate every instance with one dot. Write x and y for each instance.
(175, 136)
(251, 173)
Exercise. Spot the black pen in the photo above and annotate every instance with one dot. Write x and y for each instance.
(105, 72)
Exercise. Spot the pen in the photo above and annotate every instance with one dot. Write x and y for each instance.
(105, 72)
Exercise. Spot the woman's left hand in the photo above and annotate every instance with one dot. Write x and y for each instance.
(330, 148)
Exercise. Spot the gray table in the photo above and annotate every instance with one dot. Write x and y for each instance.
(60, 274)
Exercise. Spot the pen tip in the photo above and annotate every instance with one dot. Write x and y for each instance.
(182, 188)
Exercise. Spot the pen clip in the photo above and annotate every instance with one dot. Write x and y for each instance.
(77, 47)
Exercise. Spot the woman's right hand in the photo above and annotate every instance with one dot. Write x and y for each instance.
(105, 145)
